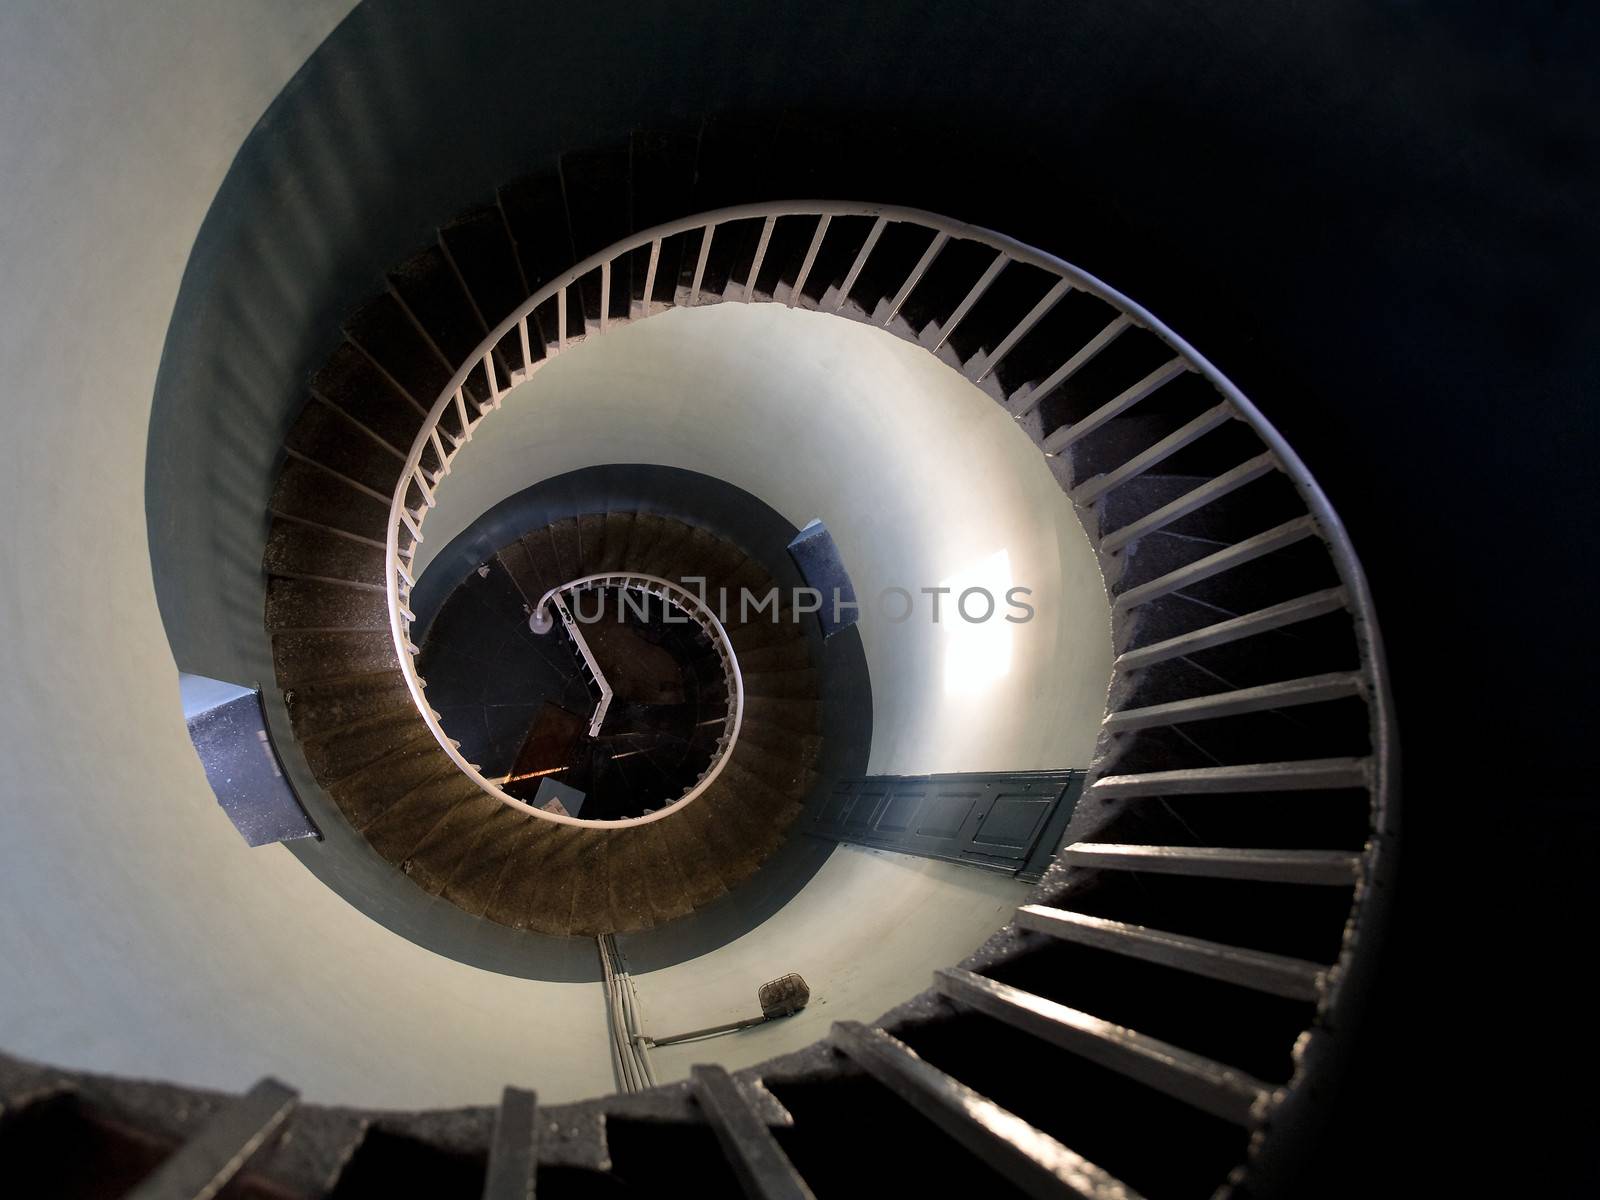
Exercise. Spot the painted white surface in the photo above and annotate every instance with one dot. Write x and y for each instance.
(866, 934)
(921, 478)
(138, 934)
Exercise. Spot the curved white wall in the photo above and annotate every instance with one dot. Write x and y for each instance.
(139, 935)
(921, 478)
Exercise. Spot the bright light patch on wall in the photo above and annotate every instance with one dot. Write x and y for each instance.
(977, 653)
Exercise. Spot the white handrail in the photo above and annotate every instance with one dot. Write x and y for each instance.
(701, 615)
(1008, 250)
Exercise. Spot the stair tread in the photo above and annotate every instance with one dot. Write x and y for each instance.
(353, 384)
(665, 890)
(472, 884)
(1330, 867)
(801, 683)
(316, 604)
(535, 892)
(1303, 608)
(452, 841)
(308, 657)
(325, 435)
(800, 716)
(332, 703)
(366, 794)
(590, 885)
(384, 331)
(335, 754)
(314, 494)
(691, 851)
(1278, 974)
(297, 549)
(591, 543)
(1211, 1086)
(1311, 689)
(1030, 1159)
(1282, 776)
(1222, 560)
(396, 831)
(628, 867)
(618, 530)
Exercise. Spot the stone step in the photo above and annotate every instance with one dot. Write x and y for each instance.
(368, 793)
(333, 756)
(316, 604)
(333, 703)
(301, 658)
(313, 494)
(297, 549)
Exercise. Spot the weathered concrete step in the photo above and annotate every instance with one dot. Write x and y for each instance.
(591, 543)
(790, 655)
(472, 884)
(799, 684)
(751, 812)
(333, 756)
(691, 850)
(297, 549)
(323, 498)
(514, 559)
(368, 793)
(662, 554)
(546, 569)
(785, 771)
(798, 716)
(757, 635)
(614, 549)
(749, 576)
(665, 888)
(804, 748)
(353, 384)
(590, 881)
(758, 793)
(643, 534)
(733, 835)
(533, 892)
(630, 868)
(482, 251)
(333, 703)
(301, 658)
(325, 435)
(398, 830)
(451, 842)
(564, 543)
(385, 332)
(511, 880)
(428, 285)
(704, 555)
(314, 604)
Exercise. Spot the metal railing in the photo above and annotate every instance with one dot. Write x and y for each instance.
(695, 610)
(563, 323)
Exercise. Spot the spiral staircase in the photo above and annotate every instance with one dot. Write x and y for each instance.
(393, 781)
(1149, 1022)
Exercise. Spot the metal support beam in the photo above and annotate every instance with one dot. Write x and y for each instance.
(1028, 1158)
(514, 1150)
(207, 1162)
(763, 1169)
